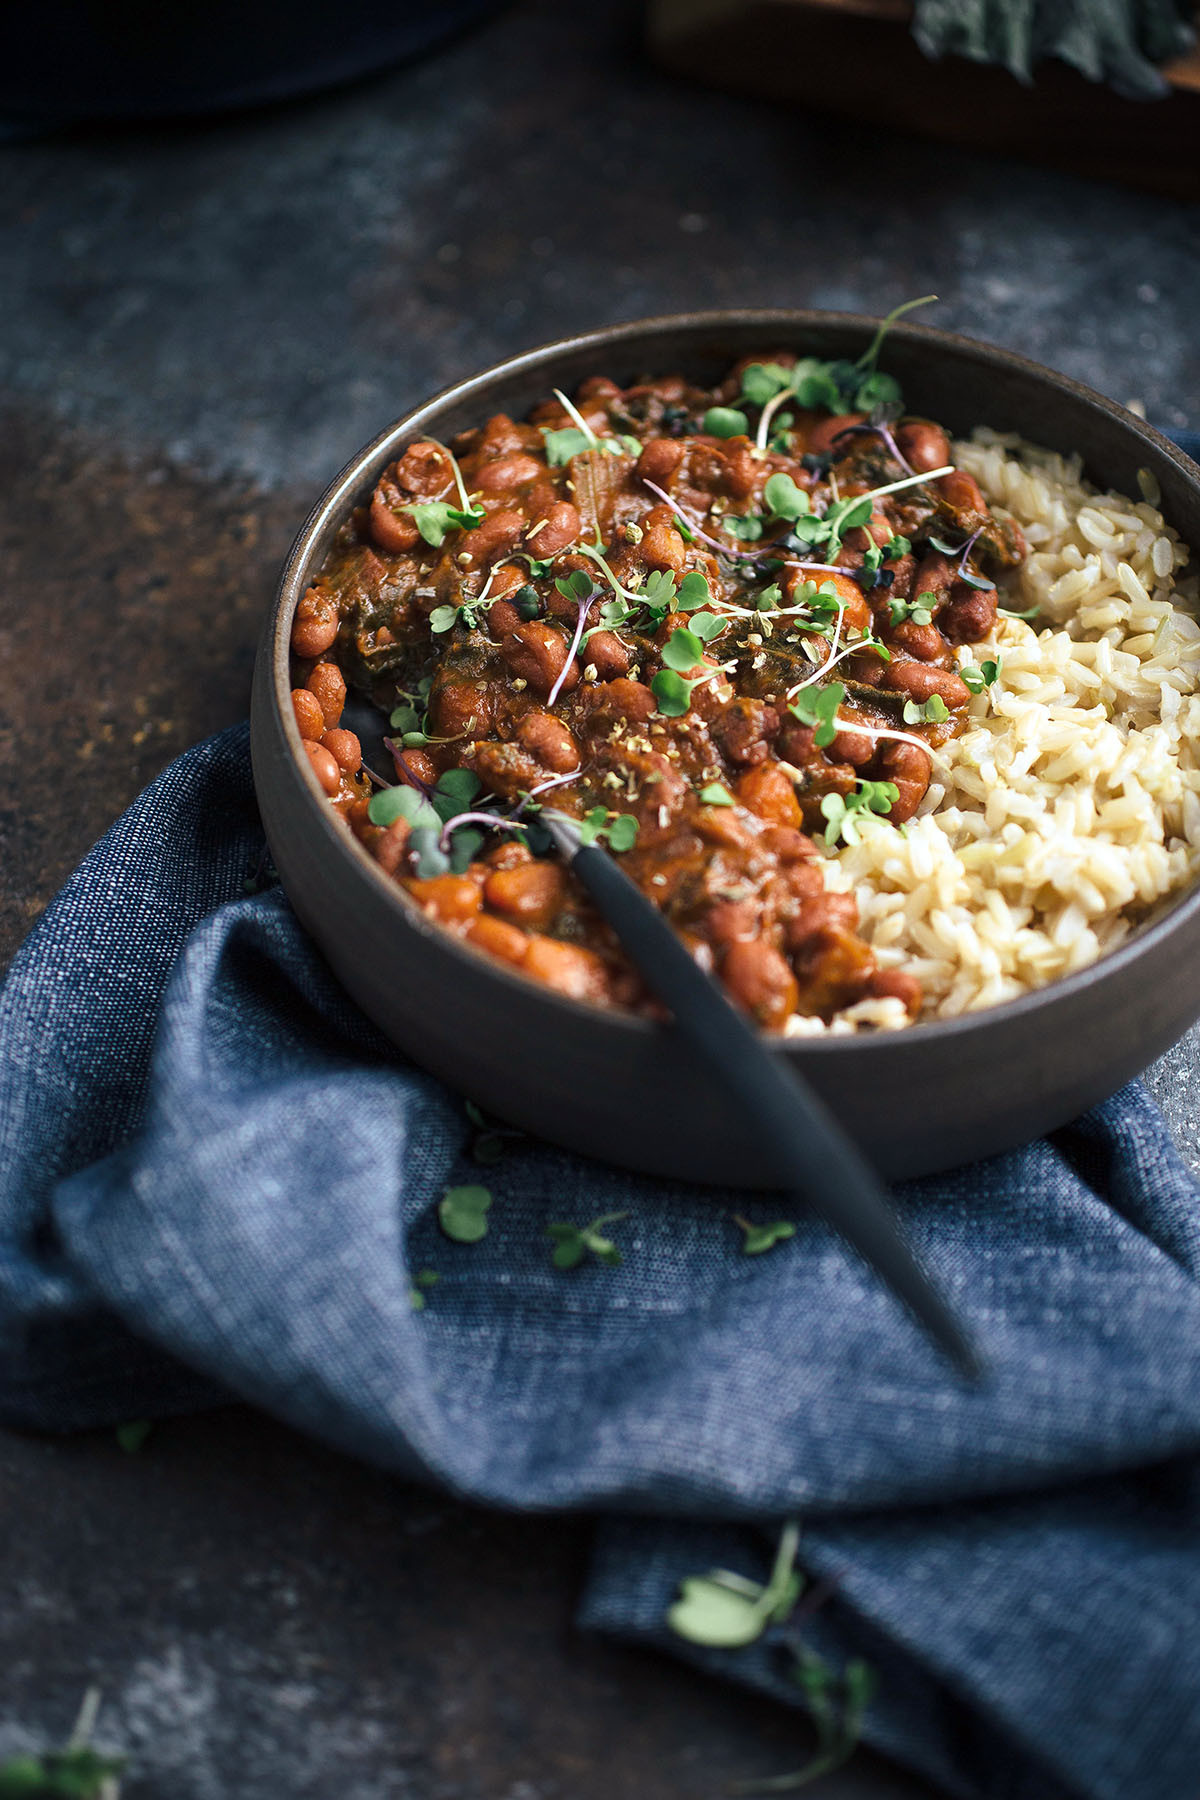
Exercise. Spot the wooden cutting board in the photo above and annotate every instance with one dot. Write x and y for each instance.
(858, 57)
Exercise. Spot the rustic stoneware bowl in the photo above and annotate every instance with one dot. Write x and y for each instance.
(624, 1089)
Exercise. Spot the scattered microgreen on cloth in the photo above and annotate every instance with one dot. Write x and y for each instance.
(217, 1179)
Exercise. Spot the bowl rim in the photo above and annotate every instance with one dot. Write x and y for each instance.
(344, 491)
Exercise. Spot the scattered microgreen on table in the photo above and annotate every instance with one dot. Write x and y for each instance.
(724, 1611)
(757, 1239)
(573, 1243)
(462, 1213)
(132, 1436)
(76, 1772)
(419, 1285)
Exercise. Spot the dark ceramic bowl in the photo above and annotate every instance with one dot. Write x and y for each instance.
(624, 1089)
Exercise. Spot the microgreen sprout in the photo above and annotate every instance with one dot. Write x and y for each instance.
(433, 518)
(818, 708)
(836, 1705)
(784, 499)
(979, 680)
(76, 1772)
(870, 355)
(926, 712)
(572, 1243)
(690, 520)
(844, 813)
(132, 1436)
(725, 1611)
(715, 793)
(599, 825)
(421, 1281)
(672, 687)
(757, 1239)
(1031, 612)
(920, 610)
(726, 422)
(462, 1213)
(579, 587)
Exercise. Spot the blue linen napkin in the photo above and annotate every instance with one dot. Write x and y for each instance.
(216, 1178)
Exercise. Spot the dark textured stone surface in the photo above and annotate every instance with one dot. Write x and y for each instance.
(199, 325)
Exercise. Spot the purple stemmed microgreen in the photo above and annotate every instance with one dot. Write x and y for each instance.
(579, 587)
(692, 522)
(880, 429)
(963, 551)
(492, 822)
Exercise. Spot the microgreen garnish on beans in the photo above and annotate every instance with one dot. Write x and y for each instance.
(618, 830)
(817, 706)
(920, 611)
(926, 712)
(562, 445)
(726, 422)
(715, 793)
(845, 813)
(572, 1243)
(784, 499)
(434, 518)
(462, 1213)
(1031, 612)
(393, 803)
(758, 1239)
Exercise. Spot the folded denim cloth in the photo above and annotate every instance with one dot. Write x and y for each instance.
(217, 1179)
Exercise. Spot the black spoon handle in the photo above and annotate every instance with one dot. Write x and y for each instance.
(814, 1156)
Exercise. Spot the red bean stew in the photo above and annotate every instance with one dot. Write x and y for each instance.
(712, 624)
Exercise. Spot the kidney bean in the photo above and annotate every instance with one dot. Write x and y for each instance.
(328, 683)
(536, 653)
(659, 460)
(507, 943)
(964, 495)
(920, 682)
(744, 729)
(502, 434)
(832, 971)
(415, 767)
(462, 708)
(533, 893)
(935, 575)
(895, 984)
(853, 747)
(499, 533)
(822, 435)
(393, 530)
(550, 741)
(315, 625)
(728, 920)
(324, 766)
(804, 879)
(503, 617)
(345, 750)
(911, 770)
(597, 390)
(390, 846)
(796, 744)
(423, 470)
(923, 445)
(310, 720)
(607, 654)
(567, 968)
(742, 471)
(788, 844)
(662, 547)
(623, 699)
(554, 529)
(759, 980)
(969, 616)
(821, 912)
(767, 790)
(924, 642)
(451, 898)
(502, 473)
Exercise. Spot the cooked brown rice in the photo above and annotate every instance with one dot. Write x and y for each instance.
(1070, 804)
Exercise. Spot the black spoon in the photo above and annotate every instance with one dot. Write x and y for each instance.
(815, 1157)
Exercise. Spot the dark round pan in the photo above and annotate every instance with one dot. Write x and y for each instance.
(624, 1089)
